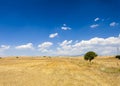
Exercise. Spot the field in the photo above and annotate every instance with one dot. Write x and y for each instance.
(61, 71)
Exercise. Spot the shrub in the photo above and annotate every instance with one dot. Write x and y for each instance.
(17, 57)
(118, 56)
(90, 56)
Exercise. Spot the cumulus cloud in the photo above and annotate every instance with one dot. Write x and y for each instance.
(26, 46)
(65, 45)
(65, 42)
(112, 24)
(64, 48)
(44, 47)
(103, 46)
(64, 27)
(53, 35)
(4, 47)
(96, 19)
(94, 25)
(111, 41)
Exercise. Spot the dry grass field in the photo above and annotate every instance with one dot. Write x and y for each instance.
(60, 71)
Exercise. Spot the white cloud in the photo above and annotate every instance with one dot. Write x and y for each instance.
(26, 46)
(65, 42)
(111, 41)
(102, 46)
(53, 35)
(65, 45)
(94, 25)
(112, 24)
(64, 48)
(4, 47)
(64, 27)
(119, 36)
(96, 19)
(45, 46)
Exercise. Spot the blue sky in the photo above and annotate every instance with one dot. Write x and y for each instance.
(59, 27)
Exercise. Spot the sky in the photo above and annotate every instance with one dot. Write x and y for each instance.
(59, 27)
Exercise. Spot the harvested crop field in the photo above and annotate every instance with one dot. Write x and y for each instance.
(62, 71)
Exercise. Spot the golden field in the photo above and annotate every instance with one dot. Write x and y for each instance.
(59, 71)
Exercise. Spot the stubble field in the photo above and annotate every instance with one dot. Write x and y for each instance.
(59, 71)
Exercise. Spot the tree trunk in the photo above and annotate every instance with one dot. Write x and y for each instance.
(90, 61)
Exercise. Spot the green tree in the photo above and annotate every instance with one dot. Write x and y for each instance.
(17, 57)
(90, 55)
(118, 56)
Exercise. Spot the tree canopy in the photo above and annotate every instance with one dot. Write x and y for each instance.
(90, 55)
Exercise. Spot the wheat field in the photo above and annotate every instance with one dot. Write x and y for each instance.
(59, 71)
